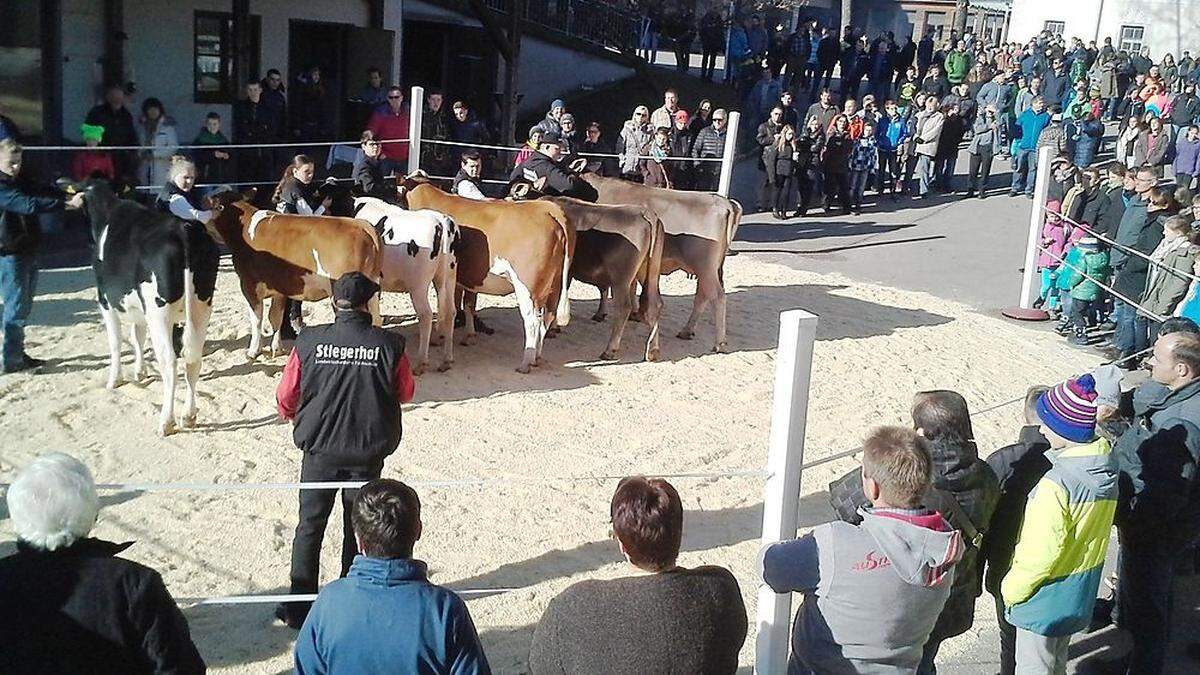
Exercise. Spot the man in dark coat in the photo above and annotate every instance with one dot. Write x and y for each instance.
(361, 372)
(118, 128)
(254, 122)
(70, 605)
(1018, 467)
(965, 491)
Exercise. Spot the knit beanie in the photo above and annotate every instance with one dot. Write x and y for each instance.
(91, 132)
(1069, 409)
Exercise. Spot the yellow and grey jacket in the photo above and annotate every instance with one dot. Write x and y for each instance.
(1057, 565)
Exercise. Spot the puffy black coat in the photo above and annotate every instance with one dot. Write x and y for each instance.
(82, 609)
(958, 473)
(20, 205)
(1018, 467)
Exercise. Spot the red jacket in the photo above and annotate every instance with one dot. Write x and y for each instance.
(87, 162)
(287, 394)
(388, 127)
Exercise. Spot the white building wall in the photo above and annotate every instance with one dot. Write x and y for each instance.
(158, 54)
(1169, 25)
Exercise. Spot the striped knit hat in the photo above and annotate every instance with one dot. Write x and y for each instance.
(1069, 409)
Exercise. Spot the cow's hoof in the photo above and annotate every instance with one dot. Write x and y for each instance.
(637, 318)
(166, 428)
(609, 355)
(188, 421)
(721, 348)
(523, 369)
(419, 370)
(538, 362)
(113, 384)
(599, 317)
(252, 355)
(685, 335)
(468, 340)
(444, 367)
(653, 355)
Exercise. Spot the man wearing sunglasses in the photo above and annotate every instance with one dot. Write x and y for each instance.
(390, 123)
(710, 144)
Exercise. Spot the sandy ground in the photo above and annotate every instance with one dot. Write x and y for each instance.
(692, 412)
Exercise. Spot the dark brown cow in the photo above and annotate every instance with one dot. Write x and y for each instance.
(281, 256)
(508, 247)
(699, 229)
(618, 246)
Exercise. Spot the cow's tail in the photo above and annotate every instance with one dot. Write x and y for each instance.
(733, 219)
(189, 292)
(654, 262)
(563, 312)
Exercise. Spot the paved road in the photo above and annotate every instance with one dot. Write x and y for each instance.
(968, 250)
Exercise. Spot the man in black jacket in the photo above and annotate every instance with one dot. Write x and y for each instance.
(1018, 467)
(828, 50)
(1104, 213)
(70, 605)
(20, 205)
(544, 170)
(118, 128)
(342, 388)
(255, 122)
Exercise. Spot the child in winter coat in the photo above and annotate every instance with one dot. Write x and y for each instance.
(92, 161)
(1189, 307)
(863, 160)
(1187, 157)
(1175, 253)
(1050, 591)
(212, 166)
(982, 148)
(1054, 240)
(1084, 268)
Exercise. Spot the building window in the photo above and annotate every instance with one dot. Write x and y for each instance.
(1055, 27)
(935, 25)
(214, 69)
(1131, 38)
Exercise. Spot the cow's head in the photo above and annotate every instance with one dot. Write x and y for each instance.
(405, 184)
(230, 208)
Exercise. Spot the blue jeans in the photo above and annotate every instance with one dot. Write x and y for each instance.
(18, 280)
(1124, 316)
(925, 174)
(1024, 171)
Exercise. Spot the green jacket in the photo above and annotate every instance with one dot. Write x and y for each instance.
(958, 64)
(1092, 262)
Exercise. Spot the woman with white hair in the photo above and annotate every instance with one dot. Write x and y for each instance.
(70, 605)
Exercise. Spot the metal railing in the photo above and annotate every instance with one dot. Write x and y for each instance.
(591, 21)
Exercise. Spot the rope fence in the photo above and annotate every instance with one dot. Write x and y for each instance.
(1123, 247)
(505, 148)
(223, 146)
(1103, 285)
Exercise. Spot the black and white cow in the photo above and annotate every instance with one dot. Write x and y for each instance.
(157, 272)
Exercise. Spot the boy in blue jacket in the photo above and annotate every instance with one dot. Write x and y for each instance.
(385, 616)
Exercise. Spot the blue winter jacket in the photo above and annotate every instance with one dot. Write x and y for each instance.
(1029, 127)
(890, 133)
(385, 617)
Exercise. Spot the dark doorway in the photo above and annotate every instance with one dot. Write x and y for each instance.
(343, 53)
(458, 60)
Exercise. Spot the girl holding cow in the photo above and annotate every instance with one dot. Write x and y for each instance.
(297, 194)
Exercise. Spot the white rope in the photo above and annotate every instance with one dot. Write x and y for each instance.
(484, 180)
(1085, 228)
(505, 148)
(225, 146)
(1106, 287)
(351, 485)
(310, 597)
(331, 179)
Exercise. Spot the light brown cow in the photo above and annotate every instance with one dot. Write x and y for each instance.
(618, 246)
(699, 229)
(280, 256)
(508, 247)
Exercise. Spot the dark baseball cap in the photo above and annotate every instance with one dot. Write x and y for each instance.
(353, 289)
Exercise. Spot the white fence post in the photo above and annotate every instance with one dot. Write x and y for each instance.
(727, 157)
(1029, 289)
(416, 108)
(785, 455)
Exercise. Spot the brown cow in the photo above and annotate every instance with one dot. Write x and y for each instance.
(281, 256)
(618, 246)
(508, 247)
(699, 229)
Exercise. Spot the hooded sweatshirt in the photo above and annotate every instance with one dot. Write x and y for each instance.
(1051, 588)
(872, 592)
(385, 616)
